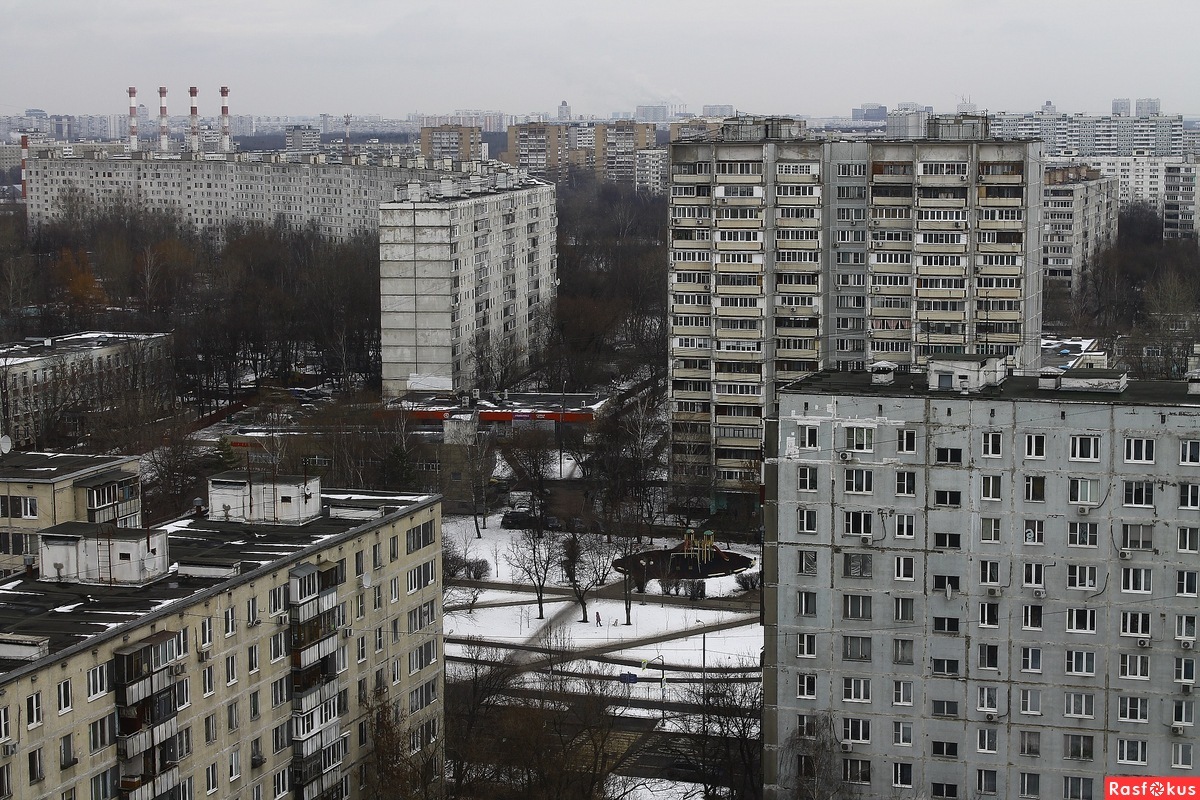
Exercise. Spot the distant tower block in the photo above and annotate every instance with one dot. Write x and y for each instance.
(133, 136)
(194, 123)
(164, 129)
(226, 139)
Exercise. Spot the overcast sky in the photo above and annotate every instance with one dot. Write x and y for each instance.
(392, 57)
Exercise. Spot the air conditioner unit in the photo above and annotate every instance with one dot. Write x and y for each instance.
(846, 455)
(866, 540)
(178, 669)
(8, 750)
(1125, 555)
(847, 747)
(257, 760)
(204, 655)
(1187, 644)
(255, 621)
(347, 633)
(1186, 687)
(1039, 593)
(990, 717)
(1143, 642)
(1083, 511)
(993, 591)
(1177, 730)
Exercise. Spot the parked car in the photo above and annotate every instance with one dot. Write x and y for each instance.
(553, 524)
(516, 519)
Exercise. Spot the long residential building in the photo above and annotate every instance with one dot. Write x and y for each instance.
(980, 585)
(468, 275)
(1095, 135)
(791, 254)
(243, 653)
(1080, 209)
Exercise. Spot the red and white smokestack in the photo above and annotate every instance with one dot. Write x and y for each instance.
(24, 158)
(133, 139)
(164, 129)
(194, 124)
(226, 140)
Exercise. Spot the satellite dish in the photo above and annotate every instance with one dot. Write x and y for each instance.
(5, 445)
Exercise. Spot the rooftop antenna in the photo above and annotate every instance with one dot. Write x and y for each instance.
(346, 119)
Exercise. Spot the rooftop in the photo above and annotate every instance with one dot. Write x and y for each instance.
(14, 353)
(205, 554)
(53, 467)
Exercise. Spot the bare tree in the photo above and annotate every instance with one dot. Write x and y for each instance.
(473, 691)
(587, 563)
(728, 732)
(811, 761)
(404, 762)
(532, 555)
(531, 453)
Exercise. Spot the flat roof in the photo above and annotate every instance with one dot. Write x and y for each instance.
(34, 467)
(916, 384)
(35, 349)
(70, 614)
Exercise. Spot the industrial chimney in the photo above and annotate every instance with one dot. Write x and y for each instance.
(133, 136)
(194, 124)
(164, 129)
(226, 141)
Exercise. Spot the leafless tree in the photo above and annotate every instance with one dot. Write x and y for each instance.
(532, 555)
(404, 763)
(728, 732)
(810, 765)
(587, 563)
(531, 451)
(474, 689)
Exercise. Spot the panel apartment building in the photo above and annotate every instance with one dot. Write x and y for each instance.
(468, 275)
(237, 654)
(1080, 208)
(981, 586)
(790, 254)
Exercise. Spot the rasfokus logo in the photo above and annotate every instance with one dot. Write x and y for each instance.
(1149, 787)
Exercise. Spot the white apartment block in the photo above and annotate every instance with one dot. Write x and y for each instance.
(237, 654)
(789, 255)
(1079, 209)
(988, 585)
(1087, 135)
(468, 274)
(211, 191)
(650, 171)
(1166, 183)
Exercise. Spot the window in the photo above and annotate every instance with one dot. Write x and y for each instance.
(989, 615)
(1139, 493)
(1031, 701)
(902, 775)
(1079, 704)
(1185, 583)
(902, 733)
(989, 656)
(230, 622)
(989, 572)
(102, 733)
(1181, 755)
(907, 441)
(902, 693)
(945, 625)
(1134, 666)
(856, 730)
(1035, 488)
(206, 680)
(905, 568)
(944, 749)
(945, 666)
(1136, 579)
(806, 686)
(806, 645)
(1137, 537)
(1133, 709)
(857, 523)
(902, 651)
(1184, 712)
(1030, 743)
(1031, 659)
(945, 497)
(902, 609)
(806, 520)
(1081, 576)
(64, 697)
(97, 681)
(1135, 623)
(906, 484)
(906, 526)
(230, 670)
(858, 481)
(1030, 785)
(210, 778)
(1081, 620)
(947, 455)
(1085, 448)
(947, 541)
(1077, 746)
(1189, 451)
(1031, 617)
(808, 437)
(1185, 626)
(989, 530)
(1076, 788)
(1189, 540)
(985, 781)
(1035, 445)
(988, 698)
(1185, 669)
(1139, 451)
(1083, 490)
(856, 770)
(860, 439)
(992, 444)
(33, 710)
(1081, 534)
(990, 488)
(856, 648)
(37, 768)
(806, 479)
(1189, 495)
(1033, 573)
(856, 606)
(1080, 662)
(806, 604)
(943, 791)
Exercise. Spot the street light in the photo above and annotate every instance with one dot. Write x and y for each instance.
(662, 679)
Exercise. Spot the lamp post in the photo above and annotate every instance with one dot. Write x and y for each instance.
(662, 679)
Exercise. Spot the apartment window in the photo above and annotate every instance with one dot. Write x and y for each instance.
(856, 648)
(989, 615)
(856, 606)
(990, 487)
(1030, 743)
(1181, 755)
(1081, 534)
(1081, 620)
(808, 437)
(947, 497)
(1139, 451)
(857, 523)
(902, 775)
(1033, 573)
(1035, 488)
(806, 479)
(1184, 712)
(856, 770)
(1189, 451)
(948, 455)
(945, 625)
(1031, 702)
(939, 749)
(945, 666)
(1137, 537)
(1085, 448)
(947, 541)
(945, 708)
(943, 791)
(902, 609)
(1185, 669)
(1083, 490)
(1080, 662)
(902, 693)
(806, 604)
(1076, 788)
(1136, 579)
(806, 686)
(64, 696)
(856, 730)
(907, 441)
(992, 447)
(989, 656)
(1134, 666)
(989, 572)
(1188, 540)
(210, 729)
(1135, 623)
(231, 715)
(1139, 493)
(1081, 576)
(230, 622)
(806, 645)
(1079, 704)
(905, 568)
(1185, 626)
(1078, 747)
(906, 484)
(210, 778)
(1030, 785)
(1133, 709)
(989, 530)
(1035, 445)
(1031, 659)
(230, 670)
(206, 680)
(33, 710)
(902, 651)
(985, 781)
(988, 698)
(1031, 617)
(858, 481)
(906, 526)
(806, 520)
(860, 439)
(1189, 495)
(102, 733)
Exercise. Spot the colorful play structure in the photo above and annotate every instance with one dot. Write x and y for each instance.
(696, 557)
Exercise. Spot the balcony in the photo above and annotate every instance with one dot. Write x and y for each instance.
(134, 744)
(143, 788)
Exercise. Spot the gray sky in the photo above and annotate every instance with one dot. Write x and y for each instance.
(392, 57)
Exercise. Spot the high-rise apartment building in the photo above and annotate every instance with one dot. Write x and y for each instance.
(1165, 183)
(981, 586)
(617, 145)
(468, 273)
(1090, 135)
(539, 148)
(790, 255)
(455, 142)
(1079, 208)
(242, 653)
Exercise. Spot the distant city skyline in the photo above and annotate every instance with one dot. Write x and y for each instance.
(382, 58)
